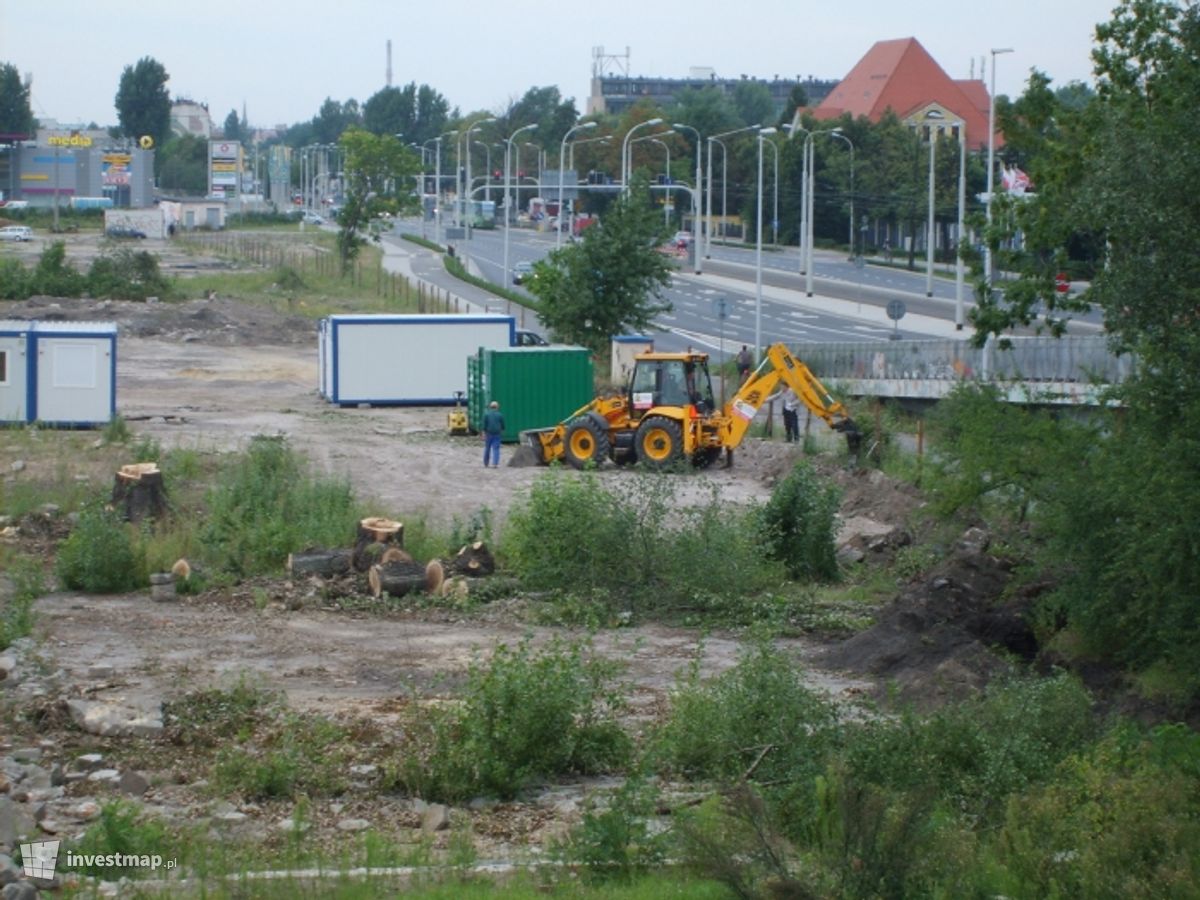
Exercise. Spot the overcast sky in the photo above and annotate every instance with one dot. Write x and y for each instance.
(282, 59)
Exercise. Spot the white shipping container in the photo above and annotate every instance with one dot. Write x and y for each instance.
(391, 360)
(59, 373)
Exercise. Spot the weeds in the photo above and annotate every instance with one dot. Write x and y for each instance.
(614, 839)
(98, 556)
(797, 525)
(121, 829)
(16, 615)
(523, 715)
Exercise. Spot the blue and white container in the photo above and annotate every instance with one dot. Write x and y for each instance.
(403, 360)
(58, 373)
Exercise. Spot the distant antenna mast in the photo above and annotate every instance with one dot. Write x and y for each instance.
(607, 64)
(389, 62)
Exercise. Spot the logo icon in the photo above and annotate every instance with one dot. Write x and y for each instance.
(39, 859)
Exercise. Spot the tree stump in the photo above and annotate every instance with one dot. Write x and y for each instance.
(375, 535)
(139, 493)
(473, 560)
(317, 561)
(399, 578)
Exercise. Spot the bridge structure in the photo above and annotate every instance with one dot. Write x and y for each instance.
(1072, 370)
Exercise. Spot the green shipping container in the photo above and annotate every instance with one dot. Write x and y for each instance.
(537, 387)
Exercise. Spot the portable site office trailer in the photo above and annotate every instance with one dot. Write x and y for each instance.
(392, 360)
(58, 373)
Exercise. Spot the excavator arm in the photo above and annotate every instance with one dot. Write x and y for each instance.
(780, 366)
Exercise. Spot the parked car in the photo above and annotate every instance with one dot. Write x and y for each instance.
(16, 233)
(312, 218)
(522, 272)
(682, 238)
(530, 339)
(124, 231)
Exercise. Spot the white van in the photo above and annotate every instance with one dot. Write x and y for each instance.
(16, 233)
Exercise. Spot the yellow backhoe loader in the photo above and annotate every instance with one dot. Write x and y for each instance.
(667, 414)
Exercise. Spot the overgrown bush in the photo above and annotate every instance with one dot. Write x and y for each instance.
(797, 525)
(757, 720)
(99, 554)
(524, 714)
(633, 549)
(54, 276)
(127, 275)
(16, 613)
(14, 280)
(266, 505)
(123, 829)
(614, 839)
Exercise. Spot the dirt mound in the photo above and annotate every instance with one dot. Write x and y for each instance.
(216, 320)
(948, 635)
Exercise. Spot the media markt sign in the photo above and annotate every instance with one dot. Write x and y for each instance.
(40, 858)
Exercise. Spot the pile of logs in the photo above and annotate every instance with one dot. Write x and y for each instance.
(379, 553)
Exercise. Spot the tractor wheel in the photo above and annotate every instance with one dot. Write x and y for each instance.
(585, 442)
(659, 442)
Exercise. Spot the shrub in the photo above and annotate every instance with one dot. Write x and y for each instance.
(757, 717)
(633, 548)
(54, 276)
(14, 280)
(295, 754)
(127, 275)
(121, 829)
(267, 506)
(797, 525)
(523, 715)
(98, 556)
(614, 839)
(16, 615)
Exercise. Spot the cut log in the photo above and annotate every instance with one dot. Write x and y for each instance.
(435, 575)
(375, 536)
(139, 493)
(394, 554)
(399, 578)
(316, 561)
(473, 560)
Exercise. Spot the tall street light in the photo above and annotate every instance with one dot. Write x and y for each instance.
(987, 246)
(802, 240)
(667, 183)
(959, 265)
(838, 134)
(716, 138)
(575, 143)
(487, 176)
(625, 167)
(508, 152)
(562, 162)
(810, 152)
(775, 202)
(437, 176)
(930, 117)
(467, 141)
(762, 134)
(697, 201)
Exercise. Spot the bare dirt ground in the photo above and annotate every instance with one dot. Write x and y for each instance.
(210, 374)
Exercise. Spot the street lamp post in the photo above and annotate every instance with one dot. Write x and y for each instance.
(467, 141)
(667, 183)
(850, 144)
(698, 199)
(931, 235)
(959, 265)
(810, 152)
(716, 138)
(802, 240)
(625, 166)
(487, 176)
(437, 213)
(562, 161)
(987, 246)
(763, 133)
(775, 202)
(508, 192)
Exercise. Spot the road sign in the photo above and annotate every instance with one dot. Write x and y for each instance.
(895, 310)
(721, 308)
(455, 234)
(1062, 283)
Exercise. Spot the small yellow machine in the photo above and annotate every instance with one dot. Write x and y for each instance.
(457, 417)
(667, 414)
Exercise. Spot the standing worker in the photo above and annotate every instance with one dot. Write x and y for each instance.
(744, 362)
(493, 428)
(791, 416)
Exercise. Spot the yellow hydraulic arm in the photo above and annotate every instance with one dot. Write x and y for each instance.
(779, 365)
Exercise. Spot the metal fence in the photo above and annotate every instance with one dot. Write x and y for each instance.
(1079, 360)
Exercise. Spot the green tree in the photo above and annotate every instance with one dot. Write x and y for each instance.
(16, 115)
(143, 104)
(333, 118)
(545, 107)
(183, 165)
(417, 112)
(232, 130)
(609, 282)
(379, 173)
(752, 100)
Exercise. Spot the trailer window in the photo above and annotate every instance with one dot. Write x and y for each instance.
(3, 367)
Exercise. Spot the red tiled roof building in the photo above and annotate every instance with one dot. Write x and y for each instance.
(900, 75)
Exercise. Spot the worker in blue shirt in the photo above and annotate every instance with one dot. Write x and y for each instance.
(493, 428)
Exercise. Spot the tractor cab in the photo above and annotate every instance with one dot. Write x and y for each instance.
(673, 380)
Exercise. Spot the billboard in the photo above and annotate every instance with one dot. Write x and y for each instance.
(224, 167)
